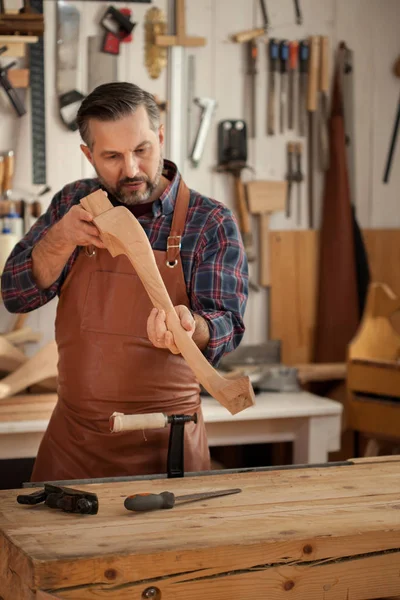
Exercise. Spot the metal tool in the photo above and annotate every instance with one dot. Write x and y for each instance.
(8, 175)
(146, 502)
(102, 66)
(118, 27)
(38, 105)
(298, 177)
(289, 176)
(299, 17)
(175, 458)
(191, 82)
(273, 54)
(284, 63)
(251, 84)
(293, 62)
(396, 126)
(312, 103)
(246, 36)
(67, 45)
(8, 88)
(323, 109)
(65, 498)
(208, 106)
(304, 51)
(345, 62)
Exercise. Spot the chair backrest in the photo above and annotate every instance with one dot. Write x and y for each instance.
(376, 337)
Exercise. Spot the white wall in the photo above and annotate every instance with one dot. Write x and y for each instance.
(370, 29)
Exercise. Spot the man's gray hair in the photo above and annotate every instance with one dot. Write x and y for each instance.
(113, 101)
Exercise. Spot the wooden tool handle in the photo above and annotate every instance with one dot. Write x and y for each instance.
(8, 171)
(241, 206)
(324, 66)
(265, 278)
(180, 18)
(1, 175)
(121, 422)
(246, 36)
(313, 71)
(122, 233)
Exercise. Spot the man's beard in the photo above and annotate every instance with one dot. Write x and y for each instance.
(134, 196)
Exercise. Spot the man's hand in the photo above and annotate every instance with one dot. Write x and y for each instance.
(158, 332)
(76, 229)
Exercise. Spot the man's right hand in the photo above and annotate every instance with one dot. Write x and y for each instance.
(77, 229)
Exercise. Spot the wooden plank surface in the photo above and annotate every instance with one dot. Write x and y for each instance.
(329, 533)
(294, 256)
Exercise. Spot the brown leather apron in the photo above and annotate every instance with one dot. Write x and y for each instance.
(107, 363)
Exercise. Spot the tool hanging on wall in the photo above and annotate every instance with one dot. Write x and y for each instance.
(176, 43)
(283, 104)
(273, 56)
(323, 108)
(299, 16)
(312, 103)
(345, 65)
(298, 177)
(251, 49)
(290, 178)
(102, 66)
(303, 82)
(232, 158)
(67, 50)
(155, 57)
(251, 34)
(264, 198)
(118, 29)
(38, 105)
(396, 126)
(8, 88)
(293, 76)
(208, 106)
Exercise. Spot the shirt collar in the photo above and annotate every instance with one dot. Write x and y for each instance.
(166, 202)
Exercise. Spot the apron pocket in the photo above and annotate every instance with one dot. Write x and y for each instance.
(116, 304)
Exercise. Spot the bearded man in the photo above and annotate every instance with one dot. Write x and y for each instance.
(115, 351)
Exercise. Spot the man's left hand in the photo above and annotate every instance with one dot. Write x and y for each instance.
(158, 332)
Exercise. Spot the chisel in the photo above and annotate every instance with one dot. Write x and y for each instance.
(289, 177)
(293, 58)
(312, 102)
(273, 54)
(303, 77)
(323, 114)
(298, 177)
(284, 62)
(252, 55)
(8, 174)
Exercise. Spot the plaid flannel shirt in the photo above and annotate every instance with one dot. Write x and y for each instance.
(213, 259)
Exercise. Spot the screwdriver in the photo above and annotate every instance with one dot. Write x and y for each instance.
(273, 53)
(303, 77)
(293, 56)
(144, 502)
(284, 56)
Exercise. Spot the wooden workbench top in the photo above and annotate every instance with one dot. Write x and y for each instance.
(331, 533)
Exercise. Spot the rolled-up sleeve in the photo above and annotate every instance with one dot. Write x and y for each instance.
(219, 286)
(18, 288)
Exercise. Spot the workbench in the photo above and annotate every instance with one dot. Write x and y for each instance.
(312, 423)
(325, 532)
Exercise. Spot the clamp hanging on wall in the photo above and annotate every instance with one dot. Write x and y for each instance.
(118, 28)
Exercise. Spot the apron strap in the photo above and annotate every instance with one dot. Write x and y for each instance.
(178, 225)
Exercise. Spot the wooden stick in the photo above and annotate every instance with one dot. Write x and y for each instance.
(122, 233)
(39, 368)
(122, 422)
(10, 357)
(22, 336)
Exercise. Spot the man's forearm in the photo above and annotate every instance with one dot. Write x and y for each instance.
(49, 257)
(201, 335)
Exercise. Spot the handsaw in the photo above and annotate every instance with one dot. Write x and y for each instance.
(67, 50)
